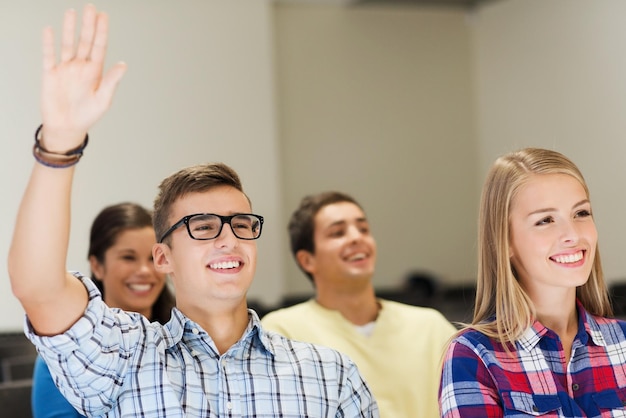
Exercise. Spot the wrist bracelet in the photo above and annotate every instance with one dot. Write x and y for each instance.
(57, 159)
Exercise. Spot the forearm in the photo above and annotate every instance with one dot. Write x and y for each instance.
(41, 233)
(52, 299)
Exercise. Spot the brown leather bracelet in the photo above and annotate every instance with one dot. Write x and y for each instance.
(56, 159)
(53, 160)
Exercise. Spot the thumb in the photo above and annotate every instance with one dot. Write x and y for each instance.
(110, 81)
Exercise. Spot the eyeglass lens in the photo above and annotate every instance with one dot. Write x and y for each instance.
(209, 226)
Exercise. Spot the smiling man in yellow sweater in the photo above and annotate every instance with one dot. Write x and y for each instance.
(397, 347)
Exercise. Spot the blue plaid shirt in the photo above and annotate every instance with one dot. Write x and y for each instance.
(116, 363)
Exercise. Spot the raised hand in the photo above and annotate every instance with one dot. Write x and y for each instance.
(75, 93)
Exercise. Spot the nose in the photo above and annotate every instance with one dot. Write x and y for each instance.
(146, 267)
(354, 233)
(226, 237)
(570, 233)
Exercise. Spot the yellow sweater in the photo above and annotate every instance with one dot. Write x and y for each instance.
(401, 360)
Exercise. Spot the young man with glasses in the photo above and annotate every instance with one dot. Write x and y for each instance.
(398, 348)
(213, 358)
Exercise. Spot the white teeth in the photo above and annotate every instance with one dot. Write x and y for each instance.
(571, 258)
(140, 287)
(357, 257)
(225, 265)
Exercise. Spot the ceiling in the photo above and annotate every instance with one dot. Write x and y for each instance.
(461, 4)
(466, 4)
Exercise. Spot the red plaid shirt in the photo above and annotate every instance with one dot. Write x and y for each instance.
(480, 379)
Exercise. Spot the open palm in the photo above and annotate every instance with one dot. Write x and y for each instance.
(75, 93)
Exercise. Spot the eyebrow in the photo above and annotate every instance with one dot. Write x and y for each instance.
(126, 250)
(343, 222)
(535, 212)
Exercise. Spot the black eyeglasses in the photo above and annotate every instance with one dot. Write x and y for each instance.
(205, 226)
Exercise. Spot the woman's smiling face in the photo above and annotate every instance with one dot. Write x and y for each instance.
(128, 274)
(553, 236)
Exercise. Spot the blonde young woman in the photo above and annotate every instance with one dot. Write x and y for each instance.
(542, 341)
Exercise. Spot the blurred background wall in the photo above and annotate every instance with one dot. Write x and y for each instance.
(403, 106)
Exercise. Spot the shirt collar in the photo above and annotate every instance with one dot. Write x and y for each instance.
(175, 329)
(587, 327)
(592, 327)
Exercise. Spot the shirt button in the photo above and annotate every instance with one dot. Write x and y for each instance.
(575, 387)
(194, 353)
(195, 331)
(229, 405)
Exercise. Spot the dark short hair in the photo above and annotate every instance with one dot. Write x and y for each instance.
(106, 228)
(302, 223)
(194, 179)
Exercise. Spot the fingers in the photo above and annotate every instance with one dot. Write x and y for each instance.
(93, 38)
(110, 81)
(75, 93)
(88, 29)
(67, 36)
(98, 50)
(48, 49)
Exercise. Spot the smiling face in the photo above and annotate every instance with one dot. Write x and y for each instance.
(127, 272)
(208, 273)
(552, 234)
(345, 251)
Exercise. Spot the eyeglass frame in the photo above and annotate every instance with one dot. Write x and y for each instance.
(224, 220)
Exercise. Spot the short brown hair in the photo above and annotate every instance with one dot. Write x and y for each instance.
(198, 178)
(302, 223)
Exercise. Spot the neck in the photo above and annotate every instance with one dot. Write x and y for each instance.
(225, 327)
(358, 306)
(563, 323)
(556, 309)
(559, 315)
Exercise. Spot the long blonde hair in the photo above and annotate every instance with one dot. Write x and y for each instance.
(503, 310)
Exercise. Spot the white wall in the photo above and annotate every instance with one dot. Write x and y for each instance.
(377, 102)
(199, 88)
(404, 108)
(407, 108)
(551, 73)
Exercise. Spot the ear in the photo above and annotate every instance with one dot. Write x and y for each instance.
(161, 258)
(97, 268)
(306, 260)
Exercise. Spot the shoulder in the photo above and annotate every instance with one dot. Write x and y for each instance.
(605, 322)
(471, 350)
(309, 358)
(41, 373)
(297, 308)
(287, 349)
(424, 316)
(472, 340)
(290, 313)
(613, 330)
(411, 310)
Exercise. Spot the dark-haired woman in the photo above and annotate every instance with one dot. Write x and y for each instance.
(120, 257)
